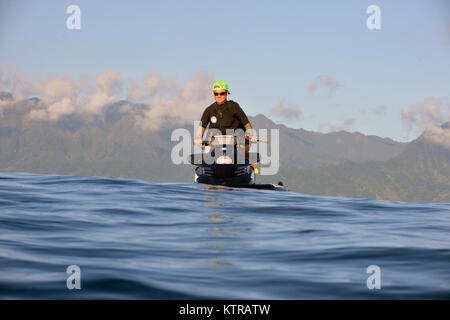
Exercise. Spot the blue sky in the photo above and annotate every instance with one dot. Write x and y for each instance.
(268, 51)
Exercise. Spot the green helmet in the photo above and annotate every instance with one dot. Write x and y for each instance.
(220, 85)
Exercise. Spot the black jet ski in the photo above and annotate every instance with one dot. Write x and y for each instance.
(225, 163)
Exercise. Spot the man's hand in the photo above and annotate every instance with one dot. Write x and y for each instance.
(253, 139)
(198, 141)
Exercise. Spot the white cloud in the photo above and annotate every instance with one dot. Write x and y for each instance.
(148, 87)
(286, 112)
(162, 101)
(438, 135)
(345, 125)
(14, 82)
(323, 80)
(428, 117)
(59, 96)
(182, 103)
(57, 89)
(429, 113)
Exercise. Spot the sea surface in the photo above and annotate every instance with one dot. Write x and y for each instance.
(135, 239)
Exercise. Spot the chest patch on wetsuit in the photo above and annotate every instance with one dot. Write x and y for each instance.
(213, 119)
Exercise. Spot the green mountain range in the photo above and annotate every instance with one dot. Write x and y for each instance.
(421, 173)
(338, 163)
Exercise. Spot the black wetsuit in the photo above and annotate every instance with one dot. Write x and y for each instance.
(225, 116)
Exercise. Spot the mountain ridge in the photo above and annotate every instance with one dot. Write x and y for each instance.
(110, 144)
(421, 173)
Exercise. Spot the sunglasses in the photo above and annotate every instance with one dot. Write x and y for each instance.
(220, 93)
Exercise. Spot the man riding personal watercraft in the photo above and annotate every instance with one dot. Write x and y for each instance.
(232, 164)
(223, 114)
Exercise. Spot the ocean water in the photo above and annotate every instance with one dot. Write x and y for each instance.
(134, 239)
